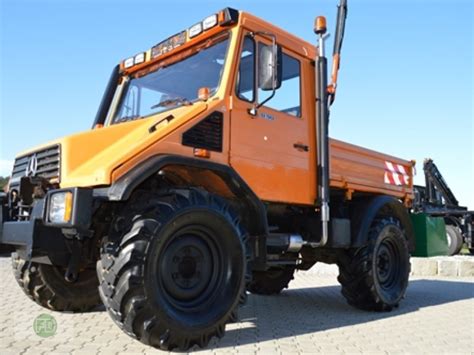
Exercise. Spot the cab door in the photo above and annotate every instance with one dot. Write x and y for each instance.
(270, 150)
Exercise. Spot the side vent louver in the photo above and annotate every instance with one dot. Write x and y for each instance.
(207, 134)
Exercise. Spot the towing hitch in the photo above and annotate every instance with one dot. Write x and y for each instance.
(74, 246)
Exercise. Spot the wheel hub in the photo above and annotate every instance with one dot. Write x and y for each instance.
(387, 263)
(187, 266)
(384, 264)
(187, 269)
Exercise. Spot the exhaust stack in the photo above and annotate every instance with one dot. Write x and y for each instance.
(325, 95)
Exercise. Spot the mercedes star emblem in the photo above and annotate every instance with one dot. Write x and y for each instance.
(32, 166)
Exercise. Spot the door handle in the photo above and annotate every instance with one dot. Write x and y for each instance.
(301, 147)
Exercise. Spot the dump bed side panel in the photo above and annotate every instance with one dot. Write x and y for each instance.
(354, 169)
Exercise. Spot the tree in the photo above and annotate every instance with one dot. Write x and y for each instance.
(3, 182)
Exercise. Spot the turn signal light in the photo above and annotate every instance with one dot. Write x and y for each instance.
(68, 207)
(204, 93)
(202, 153)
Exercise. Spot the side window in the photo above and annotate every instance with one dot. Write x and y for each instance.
(245, 79)
(287, 98)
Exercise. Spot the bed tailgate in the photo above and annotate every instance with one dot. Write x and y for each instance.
(354, 168)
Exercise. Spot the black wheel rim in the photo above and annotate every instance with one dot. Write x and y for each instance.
(388, 262)
(191, 270)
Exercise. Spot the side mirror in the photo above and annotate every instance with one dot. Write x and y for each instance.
(269, 67)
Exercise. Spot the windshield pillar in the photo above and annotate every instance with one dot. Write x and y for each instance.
(107, 98)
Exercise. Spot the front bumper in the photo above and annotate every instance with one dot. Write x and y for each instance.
(21, 234)
(37, 236)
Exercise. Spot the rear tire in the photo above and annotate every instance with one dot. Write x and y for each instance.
(173, 270)
(375, 276)
(271, 281)
(455, 240)
(46, 285)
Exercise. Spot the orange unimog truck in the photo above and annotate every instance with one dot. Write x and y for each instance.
(208, 172)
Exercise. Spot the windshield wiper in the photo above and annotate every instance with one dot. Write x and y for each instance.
(177, 101)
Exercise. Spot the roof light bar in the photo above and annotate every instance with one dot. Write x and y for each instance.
(168, 44)
(225, 17)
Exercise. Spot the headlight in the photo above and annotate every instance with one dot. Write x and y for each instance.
(60, 207)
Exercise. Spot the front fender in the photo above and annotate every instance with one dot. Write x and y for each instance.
(121, 189)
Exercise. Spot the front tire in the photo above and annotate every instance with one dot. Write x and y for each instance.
(46, 285)
(172, 274)
(375, 276)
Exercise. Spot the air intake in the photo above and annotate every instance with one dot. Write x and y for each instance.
(207, 134)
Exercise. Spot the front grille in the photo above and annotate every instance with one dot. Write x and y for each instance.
(48, 164)
(207, 134)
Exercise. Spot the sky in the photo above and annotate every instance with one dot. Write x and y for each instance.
(405, 84)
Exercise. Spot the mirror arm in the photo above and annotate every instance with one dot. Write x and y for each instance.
(257, 105)
(253, 110)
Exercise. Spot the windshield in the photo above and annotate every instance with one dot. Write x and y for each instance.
(168, 85)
